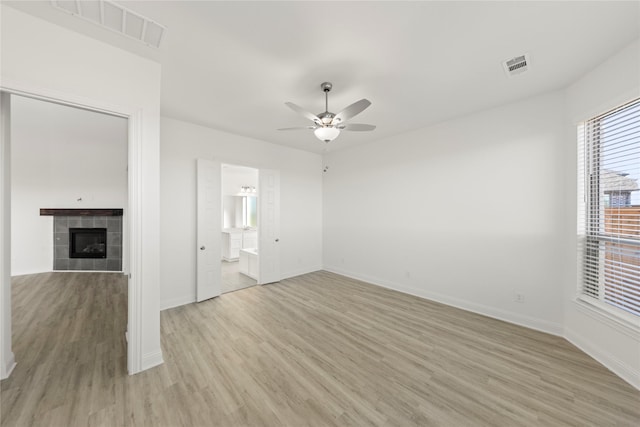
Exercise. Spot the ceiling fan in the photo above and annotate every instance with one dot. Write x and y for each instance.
(327, 126)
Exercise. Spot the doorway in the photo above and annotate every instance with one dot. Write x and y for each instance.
(209, 222)
(131, 260)
(68, 178)
(239, 238)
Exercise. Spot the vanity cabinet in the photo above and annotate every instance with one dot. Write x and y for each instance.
(234, 240)
(231, 245)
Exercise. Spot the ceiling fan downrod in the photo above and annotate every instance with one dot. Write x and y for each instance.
(326, 87)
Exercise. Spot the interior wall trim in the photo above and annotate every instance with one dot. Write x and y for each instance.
(621, 369)
(134, 115)
(484, 310)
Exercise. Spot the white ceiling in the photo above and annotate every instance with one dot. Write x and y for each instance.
(232, 65)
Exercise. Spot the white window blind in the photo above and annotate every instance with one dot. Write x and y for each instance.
(609, 208)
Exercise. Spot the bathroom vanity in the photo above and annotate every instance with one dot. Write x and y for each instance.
(235, 239)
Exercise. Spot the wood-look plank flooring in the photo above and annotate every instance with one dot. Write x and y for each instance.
(315, 350)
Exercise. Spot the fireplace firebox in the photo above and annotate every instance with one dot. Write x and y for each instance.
(87, 242)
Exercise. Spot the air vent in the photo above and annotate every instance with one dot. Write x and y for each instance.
(517, 65)
(116, 18)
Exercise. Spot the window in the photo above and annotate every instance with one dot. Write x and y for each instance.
(609, 209)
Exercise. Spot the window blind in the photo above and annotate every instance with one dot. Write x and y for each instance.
(609, 208)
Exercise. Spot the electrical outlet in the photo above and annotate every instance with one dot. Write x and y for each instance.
(519, 298)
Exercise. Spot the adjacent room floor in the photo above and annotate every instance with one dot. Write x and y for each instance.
(232, 279)
(318, 349)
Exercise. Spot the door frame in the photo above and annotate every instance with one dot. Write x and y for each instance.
(220, 207)
(7, 359)
(132, 268)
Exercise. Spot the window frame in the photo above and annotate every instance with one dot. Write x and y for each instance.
(590, 228)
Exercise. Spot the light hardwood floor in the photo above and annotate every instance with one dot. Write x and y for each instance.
(318, 349)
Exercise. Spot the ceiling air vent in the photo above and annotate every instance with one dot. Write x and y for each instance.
(116, 18)
(517, 65)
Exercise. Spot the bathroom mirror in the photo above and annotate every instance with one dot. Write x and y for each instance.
(239, 212)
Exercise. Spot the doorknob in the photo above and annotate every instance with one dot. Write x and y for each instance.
(202, 248)
(277, 240)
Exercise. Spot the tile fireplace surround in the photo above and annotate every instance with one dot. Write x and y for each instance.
(64, 219)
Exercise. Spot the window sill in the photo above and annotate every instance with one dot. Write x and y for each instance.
(595, 310)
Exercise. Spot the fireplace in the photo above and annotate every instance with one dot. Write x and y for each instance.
(87, 242)
(66, 249)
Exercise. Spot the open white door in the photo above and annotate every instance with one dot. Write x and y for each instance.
(268, 226)
(209, 224)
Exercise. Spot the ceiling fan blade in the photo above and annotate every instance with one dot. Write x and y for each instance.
(357, 127)
(299, 128)
(349, 112)
(304, 112)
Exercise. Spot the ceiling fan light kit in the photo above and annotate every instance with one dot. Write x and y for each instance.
(327, 126)
(326, 134)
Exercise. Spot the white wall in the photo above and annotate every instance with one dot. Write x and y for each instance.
(49, 60)
(614, 82)
(234, 177)
(467, 212)
(60, 154)
(301, 201)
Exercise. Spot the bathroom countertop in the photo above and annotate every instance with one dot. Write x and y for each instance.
(238, 230)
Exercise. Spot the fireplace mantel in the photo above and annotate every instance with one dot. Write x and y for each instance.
(80, 212)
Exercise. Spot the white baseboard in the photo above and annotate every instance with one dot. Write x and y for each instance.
(28, 273)
(621, 369)
(496, 313)
(150, 360)
(299, 272)
(8, 367)
(177, 302)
